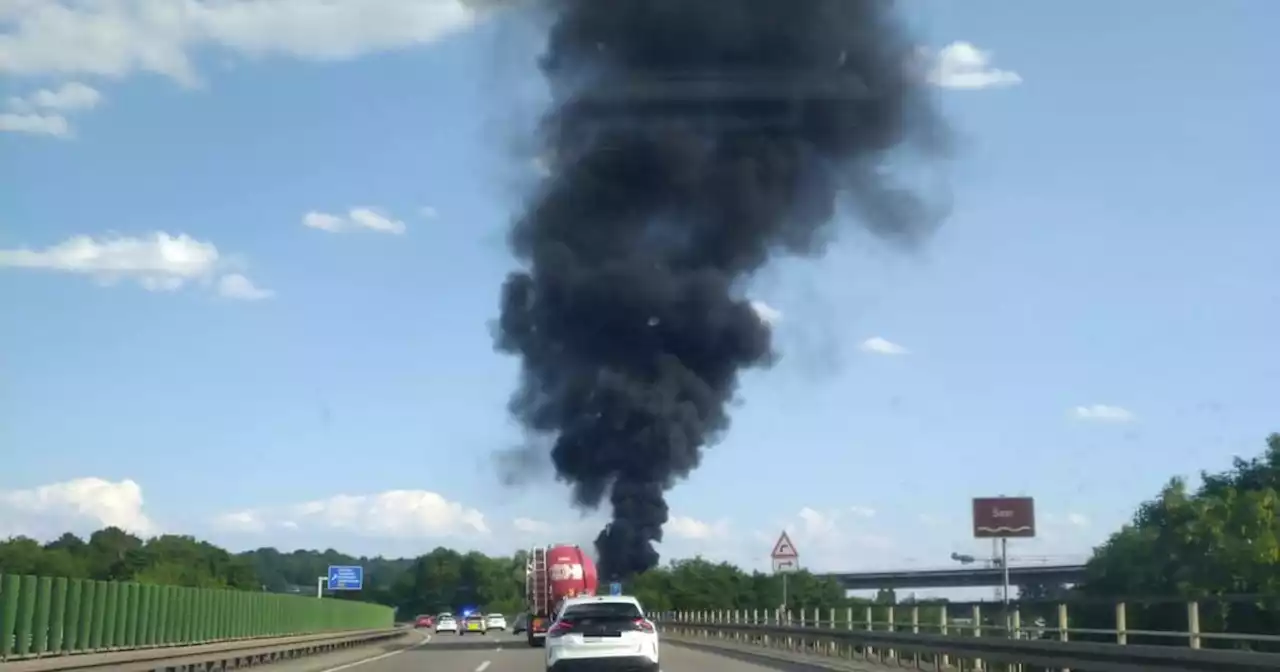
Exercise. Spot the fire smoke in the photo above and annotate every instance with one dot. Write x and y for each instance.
(690, 140)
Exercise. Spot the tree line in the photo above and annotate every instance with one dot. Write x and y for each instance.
(1220, 539)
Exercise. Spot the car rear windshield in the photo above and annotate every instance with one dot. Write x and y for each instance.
(603, 611)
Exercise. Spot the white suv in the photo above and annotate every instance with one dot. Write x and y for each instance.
(608, 629)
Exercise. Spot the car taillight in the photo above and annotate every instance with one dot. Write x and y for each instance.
(642, 625)
(560, 628)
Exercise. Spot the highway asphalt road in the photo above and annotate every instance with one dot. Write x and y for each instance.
(503, 652)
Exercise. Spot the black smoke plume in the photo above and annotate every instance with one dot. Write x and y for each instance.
(688, 141)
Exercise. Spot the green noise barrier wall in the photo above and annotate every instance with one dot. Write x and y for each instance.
(44, 616)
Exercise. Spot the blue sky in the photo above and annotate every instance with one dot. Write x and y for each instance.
(1093, 319)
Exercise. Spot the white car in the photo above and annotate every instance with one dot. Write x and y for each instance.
(602, 629)
(495, 622)
(446, 624)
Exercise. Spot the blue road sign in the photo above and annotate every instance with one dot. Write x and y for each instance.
(615, 588)
(346, 577)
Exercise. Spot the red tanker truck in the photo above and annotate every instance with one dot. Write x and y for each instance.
(552, 574)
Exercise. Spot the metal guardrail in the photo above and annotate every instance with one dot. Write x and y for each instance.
(949, 652)
(223, 655)
(1019, 623)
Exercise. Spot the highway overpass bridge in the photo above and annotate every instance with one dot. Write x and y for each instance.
(960, 577)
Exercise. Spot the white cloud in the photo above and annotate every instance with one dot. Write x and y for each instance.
(240, 521)
(531, 526)
(323, 221)
(356, 218)
(35, 124)
(394, 514)
(816, 523)
(41, 112)
(863, 511)
(159, 262)
(82, 504)
(236, 286)
(1064, 520)
(692, 529)
(1103, 413)
(116, 38)
(881, 346)
(960, 65)
(767, 313)
(833, 540)
(68, 97)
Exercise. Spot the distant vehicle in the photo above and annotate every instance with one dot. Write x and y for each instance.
(423, 621)
(495, 622)
(446, 623)
(520, 625)
(472, 623)
(553, 574)
(604, 630)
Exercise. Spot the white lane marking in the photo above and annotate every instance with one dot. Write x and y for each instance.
(482, 666)
(381, 656)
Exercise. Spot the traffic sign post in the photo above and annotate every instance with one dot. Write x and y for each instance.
(786, 559)
(1002, 518)
(346, 577)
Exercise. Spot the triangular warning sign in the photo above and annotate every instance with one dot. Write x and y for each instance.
(784, 548)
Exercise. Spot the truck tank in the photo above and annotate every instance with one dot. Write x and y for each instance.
(553, 573)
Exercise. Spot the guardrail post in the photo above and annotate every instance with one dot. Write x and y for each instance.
(1063, 634)
(1122, 637)
(834, 647)
(869, 624)
(848, 617)
(893, 627)
(1193, 624)
(942, 630)
(915, 630)
(977, 632)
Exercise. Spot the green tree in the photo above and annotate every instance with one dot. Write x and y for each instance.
(1223, 539)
